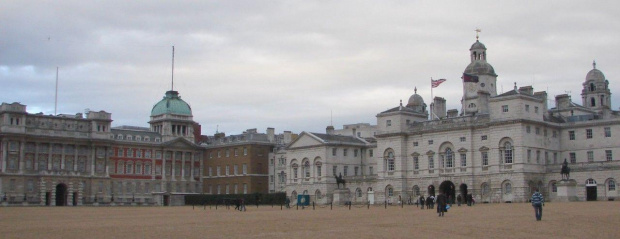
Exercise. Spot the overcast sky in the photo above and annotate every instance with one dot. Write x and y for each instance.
(292, 64)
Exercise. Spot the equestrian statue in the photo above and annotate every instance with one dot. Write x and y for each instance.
(339, 180)
(565, 170)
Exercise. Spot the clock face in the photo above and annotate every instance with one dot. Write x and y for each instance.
(482, 85)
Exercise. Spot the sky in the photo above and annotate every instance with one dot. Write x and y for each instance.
(292, 65)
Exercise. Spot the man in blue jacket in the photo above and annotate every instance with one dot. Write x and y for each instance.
(537, 202)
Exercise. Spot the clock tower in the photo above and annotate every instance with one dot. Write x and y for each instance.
(479, 80)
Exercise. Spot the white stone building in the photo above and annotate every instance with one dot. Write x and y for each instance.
(498, 148)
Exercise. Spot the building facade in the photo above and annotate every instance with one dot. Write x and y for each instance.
(498, 148)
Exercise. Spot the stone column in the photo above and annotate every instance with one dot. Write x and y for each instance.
(93, 155)
(62, 157)
(182, 166)
(4, 154)
(36, 157)
(50, 145)
(172, 167)
(163, 165)
(21, 159)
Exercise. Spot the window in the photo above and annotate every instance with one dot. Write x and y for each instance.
(390, 162)
(504, 108)
(334, 151)
(571, 135)
(608, 155)
(536, 109)
(537, 131)
(344, 152)
(245, 151)
(370, 170)
(217, 171)
(245, 188)
(227, 189)
(236, 169)
(219, 154)
(588, 133)
(416, 163)
(607, 132)
(590, 156)
(545, 132)
(370, 153)
(227, 172)
(507, 152)
(555, 157)
(415, 144)
(346, 170)
(147, 154)
(227, 153)
(335, 169)
(210, 171)
(235, 152)
(318, 169)
(508, 188)
(537, 156)
(527, 108)
(462, 139)
(463, 160)
(430, 142)
(245, 169)
(138, 153)
(485, 158)
(119, 153)
(120, 167)
(449, 158)
(483, 137)
(611, 185)
(147, 168)
(573, 157)
(431, 162)
(388, 123)
(555, 134)
(554, 188)
(307, 169)
(529, 155)
(355, 153)
(138, 168)
(528, 129)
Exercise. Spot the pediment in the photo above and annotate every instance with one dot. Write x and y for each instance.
(462, 150)
(484, 148)
(305, 140)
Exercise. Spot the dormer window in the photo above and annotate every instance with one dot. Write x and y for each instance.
(120, 136)
(129, 137)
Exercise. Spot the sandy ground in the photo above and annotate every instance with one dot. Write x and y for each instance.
(560, 220)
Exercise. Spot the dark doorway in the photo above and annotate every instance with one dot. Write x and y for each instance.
(48, 198)
(463, 191)
(431, 190)
(75, 198)
(591, 193)
(61, 195)
(447, 188)
(166, 200)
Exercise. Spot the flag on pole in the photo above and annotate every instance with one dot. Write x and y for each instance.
(470, 78)
(435, 83)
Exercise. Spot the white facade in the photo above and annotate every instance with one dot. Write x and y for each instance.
(499, 148)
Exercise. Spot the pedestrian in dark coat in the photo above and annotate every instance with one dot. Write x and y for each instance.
(442, 202)
(422, 202)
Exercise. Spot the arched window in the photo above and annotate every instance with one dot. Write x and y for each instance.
(592, 102)
(449, 158)
(358, 192)
(508, 188)
(295, 167)
(416, 190)
(307, 169)
(592, 87)
(390, 162)
(554, 187)
(129, 167)
(611, 185)
(390, 191)
(507, 152)
(485, 189)
(317, 194)
(318, 165)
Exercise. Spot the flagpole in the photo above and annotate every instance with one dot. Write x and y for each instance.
(432, 105)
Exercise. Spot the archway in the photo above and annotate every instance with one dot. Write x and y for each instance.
(447, 188)
(61, 194)
(463, 192)
(431, 190)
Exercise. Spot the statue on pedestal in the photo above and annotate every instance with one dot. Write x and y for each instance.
(339, 180)
(565, 170)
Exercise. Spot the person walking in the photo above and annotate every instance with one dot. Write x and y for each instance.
(537, 202)
(442, 202)
(458, 200)
(422, 202)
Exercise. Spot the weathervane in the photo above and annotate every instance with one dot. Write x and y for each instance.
(594, 64)
(477, 31)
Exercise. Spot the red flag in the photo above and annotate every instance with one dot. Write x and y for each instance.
(470, 78)
(435, 83)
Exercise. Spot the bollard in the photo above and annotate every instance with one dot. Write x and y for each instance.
(385, 204)
(313, 205)
(349, 206)
(368, 205)
(297, 205)
(280, 206)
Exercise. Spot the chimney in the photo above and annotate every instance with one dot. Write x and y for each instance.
(270, 134)
(439, 107)
(287, 137)
(330, 130)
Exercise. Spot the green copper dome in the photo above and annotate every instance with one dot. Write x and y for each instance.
(171, 104)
